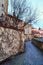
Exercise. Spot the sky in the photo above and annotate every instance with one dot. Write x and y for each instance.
(39, 5)
(35, 4)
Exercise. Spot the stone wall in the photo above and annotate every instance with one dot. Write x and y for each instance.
(11, 42)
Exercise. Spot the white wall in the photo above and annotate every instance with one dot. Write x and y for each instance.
(1, 2)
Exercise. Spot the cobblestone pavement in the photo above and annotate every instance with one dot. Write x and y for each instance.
(32, 56)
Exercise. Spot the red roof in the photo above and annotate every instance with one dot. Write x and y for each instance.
(37, 32)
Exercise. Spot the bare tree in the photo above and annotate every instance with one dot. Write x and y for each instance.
(20, 8)
(32, 17)
(25, 11)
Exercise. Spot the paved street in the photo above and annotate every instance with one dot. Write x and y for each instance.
(32, 56)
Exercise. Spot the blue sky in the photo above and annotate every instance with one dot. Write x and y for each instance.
(35, 4)
(39, 5)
